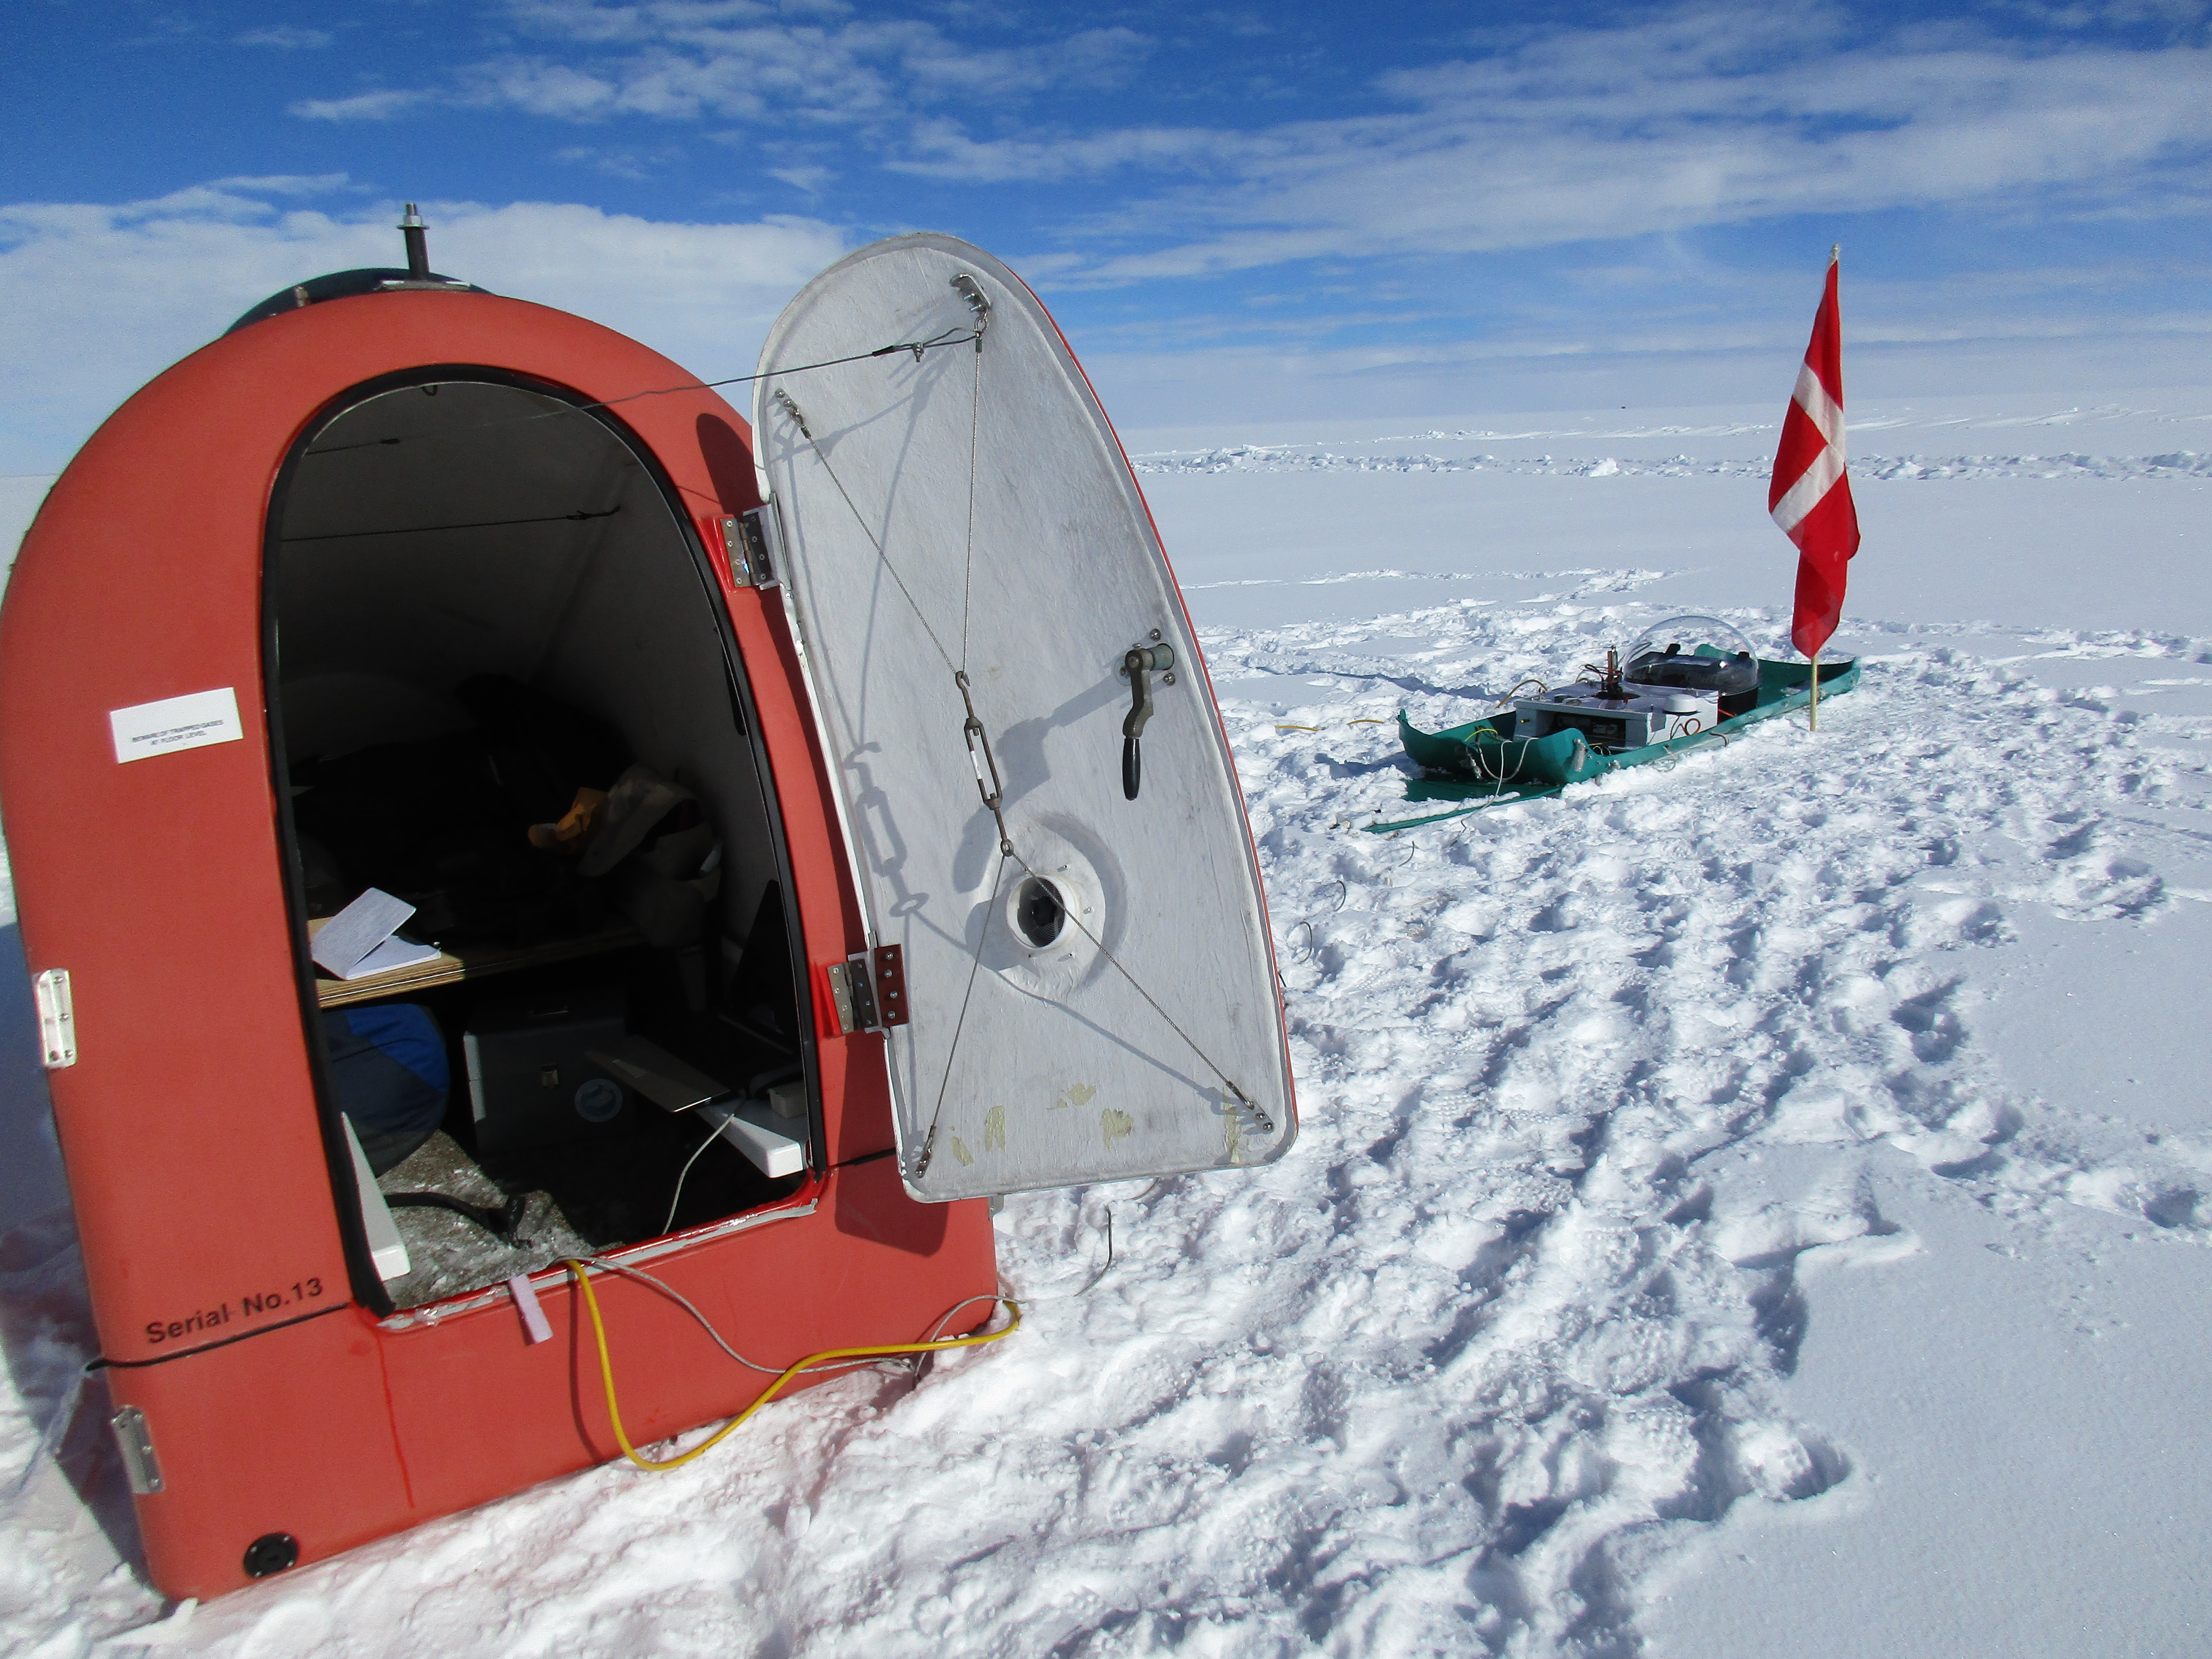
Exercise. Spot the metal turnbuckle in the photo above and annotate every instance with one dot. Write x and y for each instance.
(979, 757)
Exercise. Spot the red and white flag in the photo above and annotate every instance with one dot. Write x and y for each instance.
(1811, 495)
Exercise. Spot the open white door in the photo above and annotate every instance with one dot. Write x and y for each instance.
(969, 562)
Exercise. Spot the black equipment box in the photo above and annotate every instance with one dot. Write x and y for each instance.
(531, 1081)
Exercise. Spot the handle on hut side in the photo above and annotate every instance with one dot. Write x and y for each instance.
(1139, 663)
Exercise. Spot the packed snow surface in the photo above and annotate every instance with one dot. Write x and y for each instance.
(1756, 1206)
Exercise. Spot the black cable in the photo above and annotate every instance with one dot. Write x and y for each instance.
(578, 516)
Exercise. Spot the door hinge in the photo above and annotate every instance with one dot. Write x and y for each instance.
(853, 995)
(868, 990)
(754, 542)
(840, 997)
(140, 1466)
(891, 983)
(57, 1017)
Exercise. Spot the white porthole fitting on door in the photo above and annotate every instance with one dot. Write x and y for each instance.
(1037, 944)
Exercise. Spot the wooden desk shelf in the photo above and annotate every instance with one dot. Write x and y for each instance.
(472, 961)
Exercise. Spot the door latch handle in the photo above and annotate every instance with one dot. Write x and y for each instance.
(1140, 663)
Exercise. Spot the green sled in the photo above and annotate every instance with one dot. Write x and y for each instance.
(1482, 764)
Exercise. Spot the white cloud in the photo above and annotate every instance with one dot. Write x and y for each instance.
(677, 60)
(285, 37)
(632, 164)
(1089, 57)
(2172, 15)
(703, 294)
(1686, 121)
(539, 88)
(1700, 116)
(362, 107)
(941, 148)
(283, 184)
(1149, 390)
(102, 297)
(1704, 115)
(801, 176)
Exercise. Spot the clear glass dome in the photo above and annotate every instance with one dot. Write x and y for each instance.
(1696, 653)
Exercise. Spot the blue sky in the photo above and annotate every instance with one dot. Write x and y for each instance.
(1238, 213)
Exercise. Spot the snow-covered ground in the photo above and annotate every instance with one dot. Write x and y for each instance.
(1757, 1207)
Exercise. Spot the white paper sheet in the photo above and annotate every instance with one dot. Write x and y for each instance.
(350, 940)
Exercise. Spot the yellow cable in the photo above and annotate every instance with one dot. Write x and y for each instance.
(576, 1271)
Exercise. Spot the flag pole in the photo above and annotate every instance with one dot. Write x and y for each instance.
(1809, 495)
(1835, 255)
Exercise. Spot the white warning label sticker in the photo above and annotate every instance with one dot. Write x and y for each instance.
(186, 722)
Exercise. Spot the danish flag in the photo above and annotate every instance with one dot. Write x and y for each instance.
(1811, 495)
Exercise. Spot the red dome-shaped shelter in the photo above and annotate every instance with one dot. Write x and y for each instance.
(313, 615)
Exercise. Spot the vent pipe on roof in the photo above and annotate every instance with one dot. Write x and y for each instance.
(418, 245)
